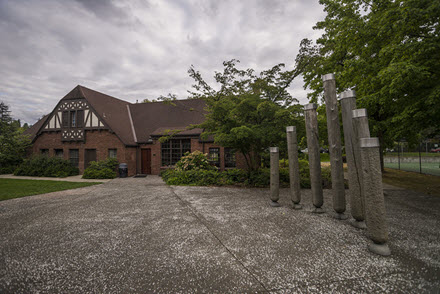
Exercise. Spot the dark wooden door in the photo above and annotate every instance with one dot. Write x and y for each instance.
(89, 155)
(146, 161)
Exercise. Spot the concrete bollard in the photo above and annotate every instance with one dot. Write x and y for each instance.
(314, 159)
(274, 176)
(360, 130)
(292, 148)
(374, 199)
(335, 148)
(348, 104)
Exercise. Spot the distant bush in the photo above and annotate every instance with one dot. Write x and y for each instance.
(194, 161)
(44, 166)
(258, 178)
(105, 169)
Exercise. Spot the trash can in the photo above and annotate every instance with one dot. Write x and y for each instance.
(123, 170)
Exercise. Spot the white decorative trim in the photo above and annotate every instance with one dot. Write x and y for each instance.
(131, 123)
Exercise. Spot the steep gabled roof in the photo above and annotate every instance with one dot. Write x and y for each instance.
(32, 131)
(111, 110)
(155, 117)
(135, 123)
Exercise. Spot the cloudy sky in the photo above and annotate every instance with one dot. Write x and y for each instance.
(139, 49)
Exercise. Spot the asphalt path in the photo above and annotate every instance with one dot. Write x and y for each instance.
(137, 235)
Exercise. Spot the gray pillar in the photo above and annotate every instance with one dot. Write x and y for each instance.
(292, 147)
(348, 104)
(314, 159)
(360, 130)
(360, 123)
(374, 199)
(274, 176)
(335, 148)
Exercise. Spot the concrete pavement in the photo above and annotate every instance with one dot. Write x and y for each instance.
(137, 235)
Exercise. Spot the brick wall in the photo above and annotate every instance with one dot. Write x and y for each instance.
(104, 140)
(156, 161)
(99, 140)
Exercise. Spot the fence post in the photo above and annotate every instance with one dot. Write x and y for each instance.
(348, 104)
(314, 158)
(420, 157)
(274, 176)
(335, 149)
(374, 199)
(292, 148)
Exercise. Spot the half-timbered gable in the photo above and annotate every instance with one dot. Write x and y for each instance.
(73, 117)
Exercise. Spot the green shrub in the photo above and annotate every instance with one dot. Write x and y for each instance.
(234, 176)
(194, 161)
(7, 169)
(105, 169)
(44, 166)
(257, 178)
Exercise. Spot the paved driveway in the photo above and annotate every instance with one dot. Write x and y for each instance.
(138, 235)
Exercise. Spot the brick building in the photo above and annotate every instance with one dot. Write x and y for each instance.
(87, 125)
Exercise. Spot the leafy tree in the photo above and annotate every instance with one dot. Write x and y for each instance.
(249, 112)
(167, 99)
(389, 52)
(13, 144)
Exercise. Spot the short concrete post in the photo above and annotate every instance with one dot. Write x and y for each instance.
(348, 104)
(274, 176)
(314, 159)
(360, 130)
(292, 148)
(335, 148)
(374, 199)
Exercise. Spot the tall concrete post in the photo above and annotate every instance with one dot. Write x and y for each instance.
(335, 148)
(374, 199)
(348, 104)
(274, 176)
(292, 148)
(314, 159)
(360, 130)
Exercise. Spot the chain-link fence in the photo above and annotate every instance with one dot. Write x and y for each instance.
(422, 158)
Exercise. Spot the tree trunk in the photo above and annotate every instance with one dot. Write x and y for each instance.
(380, 136)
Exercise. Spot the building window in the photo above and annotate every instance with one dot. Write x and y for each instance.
(214, 156)
(173, 150)
(73, 119)
(112, 153)
(65, 119)
(59, 153)
(74, 157)
(44, 152)
(230, 157)
(80, 118)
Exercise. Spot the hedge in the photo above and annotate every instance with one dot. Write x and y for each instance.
(258, 178)
(105, 169)
(44, 166)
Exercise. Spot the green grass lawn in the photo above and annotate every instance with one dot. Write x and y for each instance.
(412, 154)
(14, 188)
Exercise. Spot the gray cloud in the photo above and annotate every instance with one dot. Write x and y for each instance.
(139, 49)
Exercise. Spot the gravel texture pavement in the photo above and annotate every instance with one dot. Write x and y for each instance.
(137, 235)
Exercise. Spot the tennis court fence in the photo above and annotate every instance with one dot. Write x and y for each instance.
(422, 158)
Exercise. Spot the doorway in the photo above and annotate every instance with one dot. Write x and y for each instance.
(146, 161)
(89, 155)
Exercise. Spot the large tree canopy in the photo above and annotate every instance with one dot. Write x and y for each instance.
(13, 144)
(249, 112)
(389, 52)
